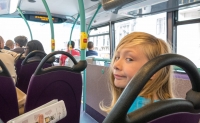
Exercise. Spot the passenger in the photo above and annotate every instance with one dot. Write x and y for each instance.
(132, 52)
(35, 45)
(8, 61)
(91, 51)
(73, 52)
(9, 45)
(20, 42)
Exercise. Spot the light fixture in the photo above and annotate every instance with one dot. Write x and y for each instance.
(32, 1)
(8, 6)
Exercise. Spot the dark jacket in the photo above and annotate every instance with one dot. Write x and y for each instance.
(7, 48)
(91, 53)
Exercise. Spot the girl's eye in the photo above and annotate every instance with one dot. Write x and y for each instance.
(129, 59)
(116, 58)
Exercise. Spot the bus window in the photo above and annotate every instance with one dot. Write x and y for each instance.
(153, 24)
(188, 35)
(189, 13)
(100, 38)
(188, 42)
(40, 31)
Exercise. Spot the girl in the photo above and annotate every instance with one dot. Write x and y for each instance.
(133, 51)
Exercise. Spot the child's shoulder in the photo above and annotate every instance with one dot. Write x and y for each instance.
(138, 103)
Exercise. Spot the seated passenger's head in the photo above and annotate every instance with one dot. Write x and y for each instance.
(33, 45)
(72, 45)
(132, 52)
(10, 44)
(1, 42)
(90, 45)
(20, 41)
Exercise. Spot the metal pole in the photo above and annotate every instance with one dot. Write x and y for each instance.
(98, 8)
(71, 33)
(51, 25)
(83, 46)
(73, 27)
(19, 10)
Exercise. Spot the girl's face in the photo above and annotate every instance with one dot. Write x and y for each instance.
(127, 62)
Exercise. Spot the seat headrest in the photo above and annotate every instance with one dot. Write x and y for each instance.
(77, 67)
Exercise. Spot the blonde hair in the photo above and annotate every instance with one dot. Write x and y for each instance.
(161, 82)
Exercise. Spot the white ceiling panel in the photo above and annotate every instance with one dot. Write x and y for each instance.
(62, 7)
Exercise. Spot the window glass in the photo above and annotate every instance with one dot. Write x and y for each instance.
(188, 42)
(101, 42)
(189, 13)
(12, 27)
(152, 24)
(100, 30)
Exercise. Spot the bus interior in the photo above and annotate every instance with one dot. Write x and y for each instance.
(105, 23)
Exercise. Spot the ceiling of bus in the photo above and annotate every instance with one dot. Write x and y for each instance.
(71, 8)
(62, 7)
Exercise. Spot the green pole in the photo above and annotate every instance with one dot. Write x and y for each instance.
(19, 10)
(99, 6)
(72, 32)
(51, 25)
(83, 45)
(73, 27)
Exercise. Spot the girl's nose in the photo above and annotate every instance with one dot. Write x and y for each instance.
(117, 65)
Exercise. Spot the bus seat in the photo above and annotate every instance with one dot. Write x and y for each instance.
(27, 69)
(18, 63)
(57, 82)
(181, 85)
(69, 62)
(182, 117)
(91, 61)
(163, 111)
(8, 96)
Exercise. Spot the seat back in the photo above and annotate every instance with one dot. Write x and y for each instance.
(8, 96)
(57, 82)
(182, 117)
(90, 60)
(27, 69)
(163, 109)
(69, 62)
